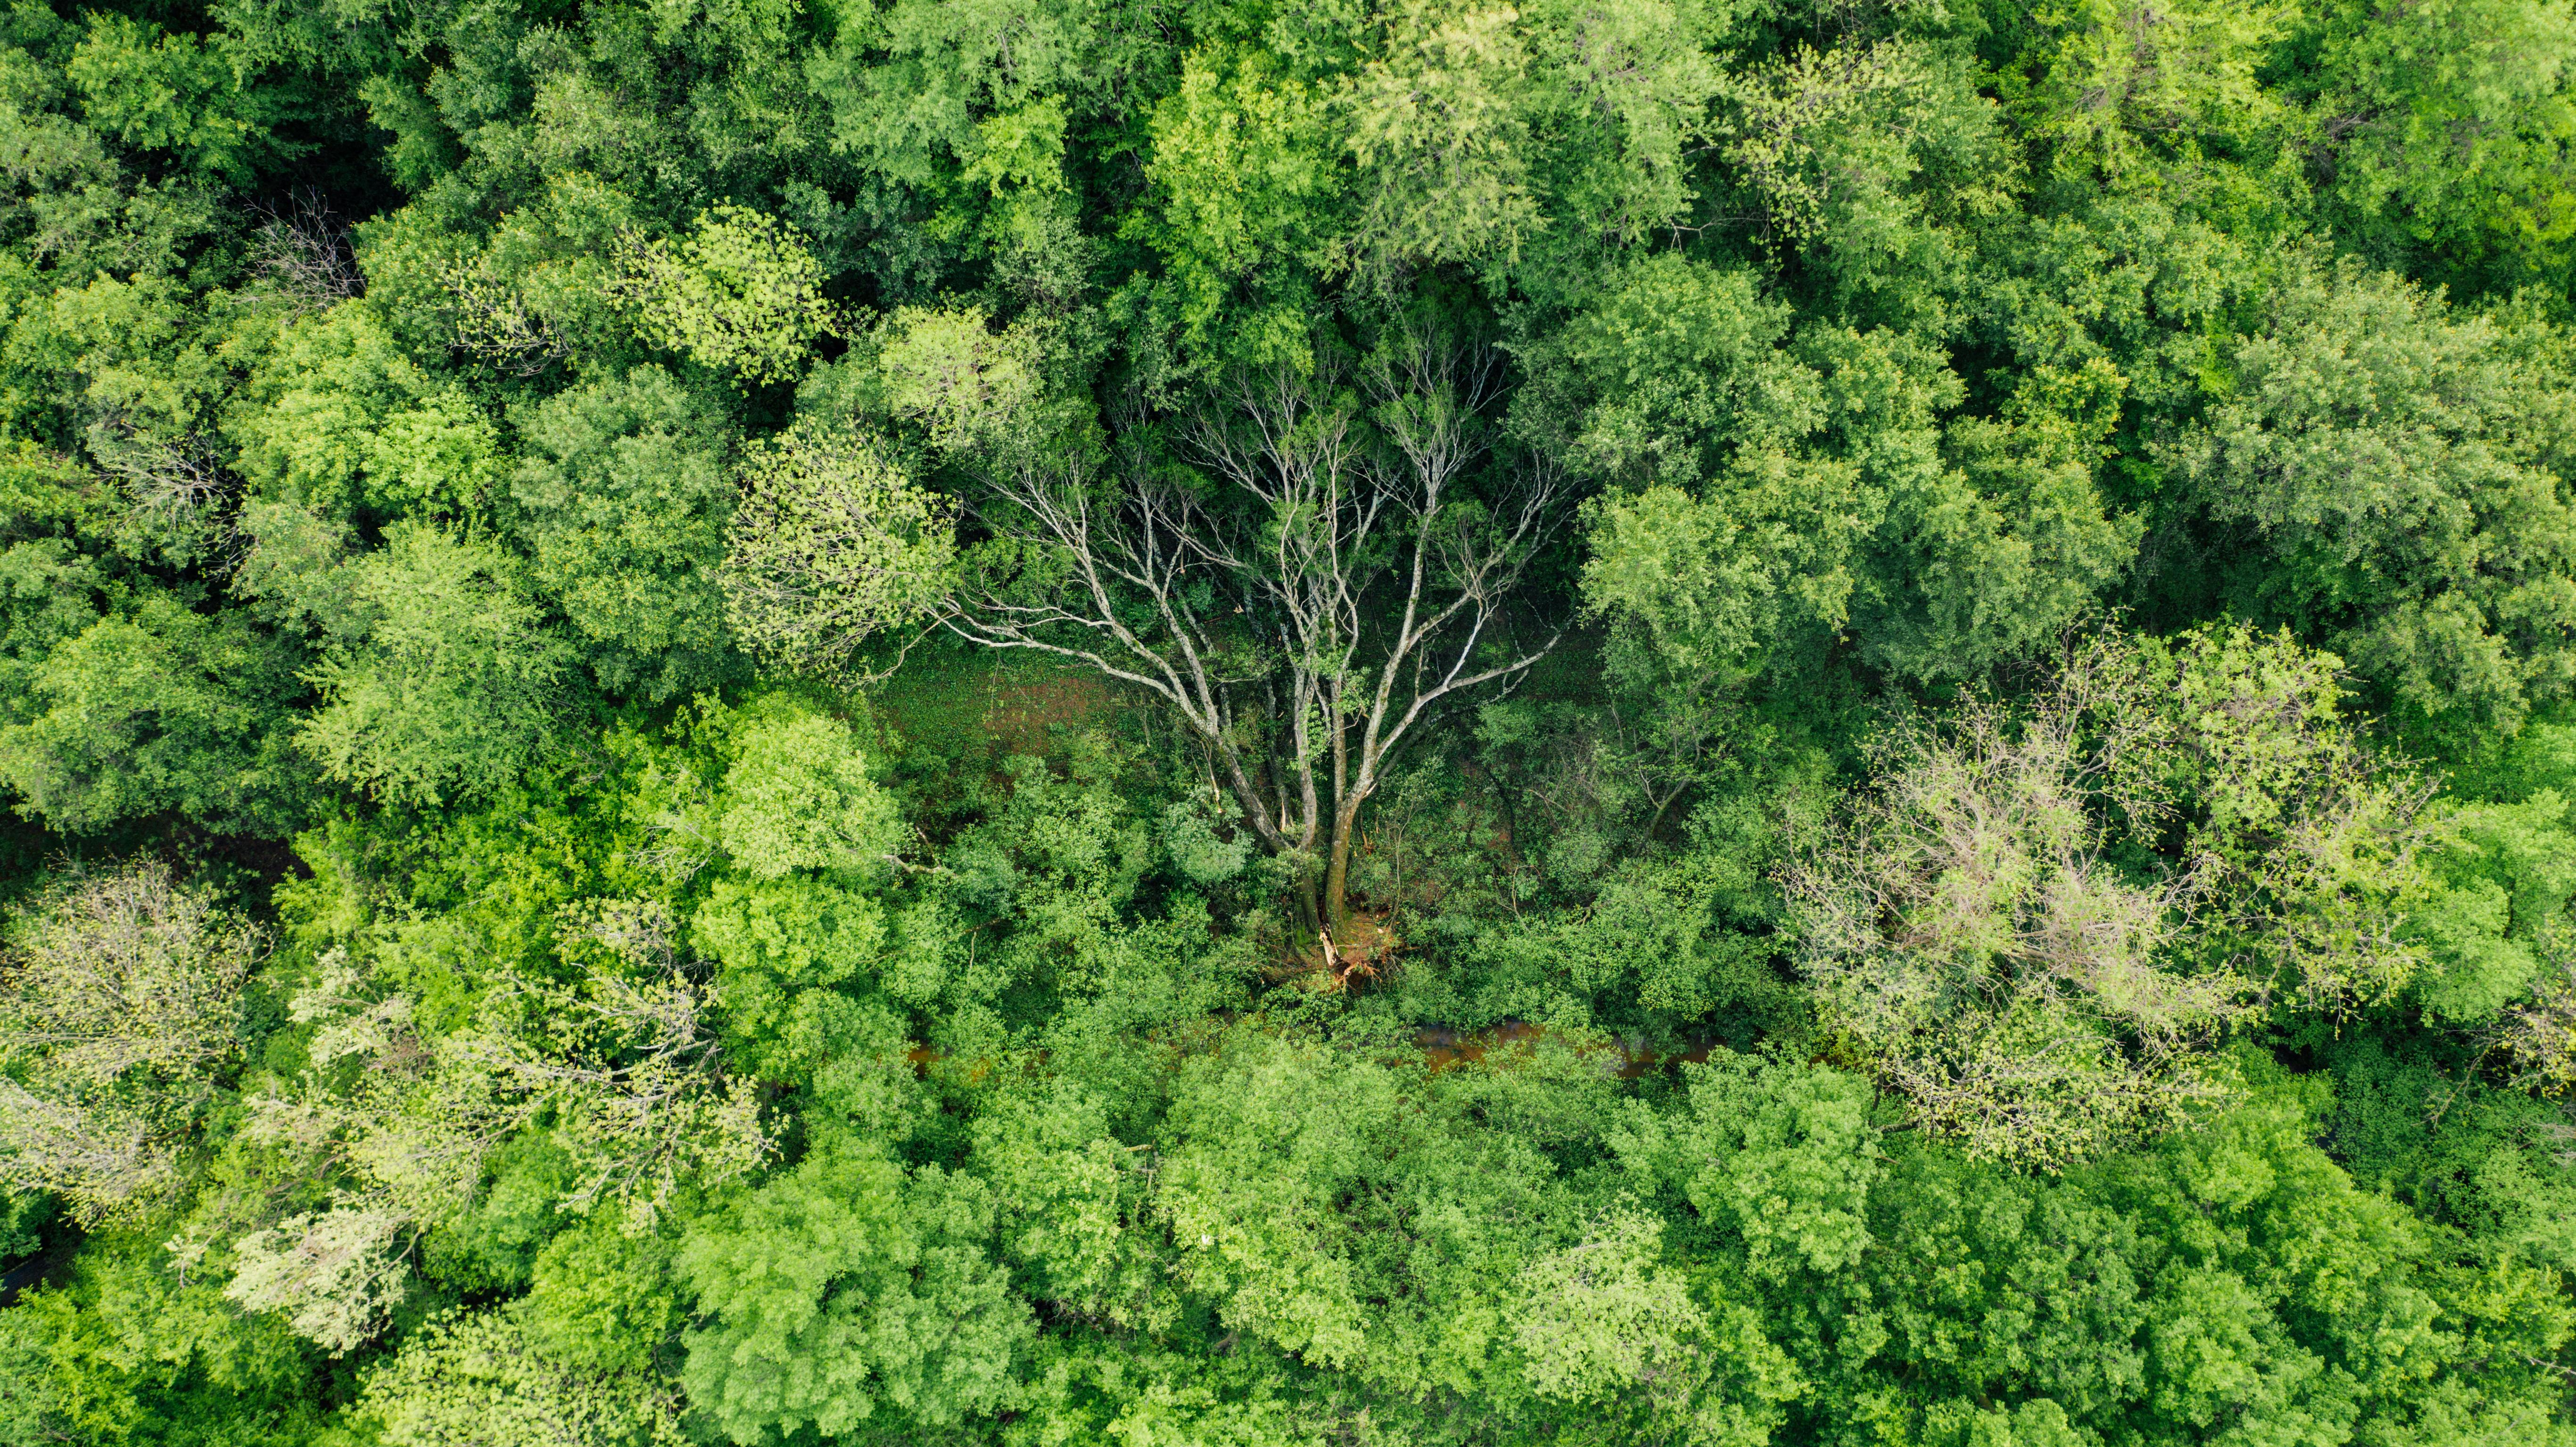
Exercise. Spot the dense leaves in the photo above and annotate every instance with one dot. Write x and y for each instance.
(1271, 722)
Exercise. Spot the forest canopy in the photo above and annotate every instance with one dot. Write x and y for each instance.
(1279, 722)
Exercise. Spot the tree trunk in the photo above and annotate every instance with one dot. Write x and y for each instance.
(1337, 872)
(1310, 920)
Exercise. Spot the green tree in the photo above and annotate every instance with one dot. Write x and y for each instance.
(2444, 130)
(447, 682)
(160, 709)
(2401, 496)
(847, 1296)
(467, 1378)
(131, 1352)
(623, 500)
(116, 1030)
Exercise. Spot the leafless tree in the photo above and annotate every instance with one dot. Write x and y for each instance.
(180, 483)
(1305, 613)
(302, 248)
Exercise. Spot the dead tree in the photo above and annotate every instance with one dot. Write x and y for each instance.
(1301, 599)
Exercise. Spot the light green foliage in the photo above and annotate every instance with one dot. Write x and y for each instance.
(1604, 1315)
(1270, 1135)
(740, 292)
(1731, 541)
(48, 590)
(2313, 844)
(2012, 545)
(1681, 366)
(1782, 494)
(1877, 160)
(147, 374)
(488, 1133)
(1340, 1210)
(845, 1295)
(968, 113)
(1478, 130)
(1437, 124)
(2478, 1159)
(2015, 568)
(1992, 542)
(468, 1378)
(1967, 933)
(1071, 1202)
(796, 931)
(2510, 873)
(540, 290)
(799, 796)
(167, 92)
(832, 544)
(942, 78)
(1197, 850)
(1658, 939)
(335, 1275)
(338, 418)
(1061, 862)
(784, 950)
(969, 386)
(624, 500)
(1604, 1325)
(448, 682)
(1778, 1155)
(2539, 1034)
(490, 1242)
(24, 1215)
(1974, 907)
(1792, 114)
(601, 1299)
(486, 1081)
(115, 1028)
(1636, 83)
(2128, 90)
(2498, 930)
(628, 1066)
(1242, 159)
(2147, 1290)
(437, 457)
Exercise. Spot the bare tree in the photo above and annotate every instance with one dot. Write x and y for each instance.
(302, 249)
(1305, 613)
(179, 484)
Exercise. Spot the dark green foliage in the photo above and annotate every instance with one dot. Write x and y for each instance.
(691, 718)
